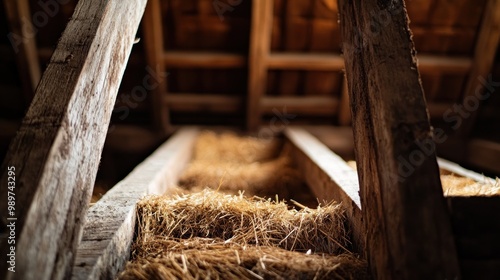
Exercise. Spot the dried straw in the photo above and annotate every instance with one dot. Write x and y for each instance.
(232, 164)
(210, 235)
(241, 220)
(206, 260)
(460, 186)
(454, 185)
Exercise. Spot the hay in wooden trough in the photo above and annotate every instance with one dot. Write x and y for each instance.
(230, 163)
(460, 186)
(222, 236)
(454, 185)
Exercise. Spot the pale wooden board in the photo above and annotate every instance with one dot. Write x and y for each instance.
(108, 233)
(407, 225)
(329, 177)
(57, 149)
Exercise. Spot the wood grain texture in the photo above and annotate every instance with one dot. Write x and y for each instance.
(260, 47)
(407, 225)
(57, 149)
(108, 233)
(17, 11)
(329, 178)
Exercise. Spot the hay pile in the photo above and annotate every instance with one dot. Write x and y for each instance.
(210, 235)
(461, 186)
(232, 164)
(454, 185)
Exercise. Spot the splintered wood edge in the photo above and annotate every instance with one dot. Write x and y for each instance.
(329, 178)
(109, 228)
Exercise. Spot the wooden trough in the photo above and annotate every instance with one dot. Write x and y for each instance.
(401, 222)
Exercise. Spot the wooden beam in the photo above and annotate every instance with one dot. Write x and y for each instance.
(260, 47)
(191, 102)
(109, 231)
(57, 149)
(176, 59)
(23, 39)
(408, 228)
(484, 56)
(335, 62)
(329, 177)
(153, 43)
(444, 64)
(311, 105)
(297, 61)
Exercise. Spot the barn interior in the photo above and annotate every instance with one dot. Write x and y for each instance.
(262, 69)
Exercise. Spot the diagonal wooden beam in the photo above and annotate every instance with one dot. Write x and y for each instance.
(407, 226)
(55, 154)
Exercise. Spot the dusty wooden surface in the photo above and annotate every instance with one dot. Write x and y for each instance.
(108, 233)
(57, 149)
(408, 230)
(329, 178)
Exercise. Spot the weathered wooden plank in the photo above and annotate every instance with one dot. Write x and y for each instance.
(108, 233)
(329, 177)
(456, 169)
(153, 43)
(23, 40)
(57, 149)
(408, 228)
(260, 47)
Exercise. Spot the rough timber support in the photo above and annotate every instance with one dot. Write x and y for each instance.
(56, 152)
(407, 226)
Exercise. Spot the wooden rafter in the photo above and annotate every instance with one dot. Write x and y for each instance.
(57, 149)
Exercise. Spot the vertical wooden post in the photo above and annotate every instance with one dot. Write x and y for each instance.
(153, 37)
(260, 45)
(24, 42)
(55, 155)
(408, 228)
